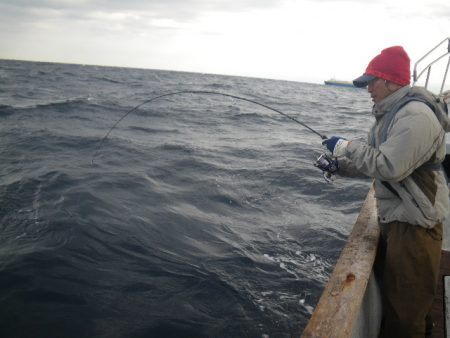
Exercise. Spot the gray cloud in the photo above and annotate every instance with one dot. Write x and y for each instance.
(22, 19)
(442, 11)
(182, 10)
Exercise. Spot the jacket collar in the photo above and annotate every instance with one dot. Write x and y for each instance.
(385, 105)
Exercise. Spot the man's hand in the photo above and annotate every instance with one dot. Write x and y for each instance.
(336, 145)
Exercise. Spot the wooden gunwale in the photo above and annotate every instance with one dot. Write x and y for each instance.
(337, 311)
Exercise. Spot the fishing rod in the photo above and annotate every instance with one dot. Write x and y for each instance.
(323, 137)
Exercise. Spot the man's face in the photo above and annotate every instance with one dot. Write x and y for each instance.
(378, 89)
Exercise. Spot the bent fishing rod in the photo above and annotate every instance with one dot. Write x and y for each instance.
(323, 137)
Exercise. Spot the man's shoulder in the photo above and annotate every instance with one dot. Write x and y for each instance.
(421, 100)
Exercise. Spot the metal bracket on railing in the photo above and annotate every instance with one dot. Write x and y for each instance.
(428, 67)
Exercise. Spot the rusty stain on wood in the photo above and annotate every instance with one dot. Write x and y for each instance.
(350, 277)
(336, 313)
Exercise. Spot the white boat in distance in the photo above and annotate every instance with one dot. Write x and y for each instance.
(340, 83)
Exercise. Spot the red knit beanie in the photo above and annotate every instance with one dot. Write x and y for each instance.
(392, 64)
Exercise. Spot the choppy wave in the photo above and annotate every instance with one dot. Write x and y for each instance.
(200, 216)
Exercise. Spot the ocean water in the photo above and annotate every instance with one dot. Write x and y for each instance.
(200, 215)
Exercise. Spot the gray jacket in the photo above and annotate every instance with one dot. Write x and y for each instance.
(406, 159)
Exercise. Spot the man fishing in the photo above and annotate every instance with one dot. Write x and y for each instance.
(405, 148)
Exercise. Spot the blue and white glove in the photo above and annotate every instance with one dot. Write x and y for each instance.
(328, 165)
(336, 145)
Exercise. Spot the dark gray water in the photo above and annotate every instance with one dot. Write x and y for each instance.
(202, 216)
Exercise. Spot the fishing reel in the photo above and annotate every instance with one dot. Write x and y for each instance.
(328, 165)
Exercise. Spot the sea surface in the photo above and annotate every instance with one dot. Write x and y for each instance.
(199, 215)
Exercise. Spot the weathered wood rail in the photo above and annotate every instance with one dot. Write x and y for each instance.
(347, 299)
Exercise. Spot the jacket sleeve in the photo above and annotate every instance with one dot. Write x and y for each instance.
(412, 140)
(348, 169)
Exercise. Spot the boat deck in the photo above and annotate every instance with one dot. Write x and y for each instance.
(438, 311)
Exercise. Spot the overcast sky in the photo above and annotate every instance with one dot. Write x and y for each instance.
(303, 40)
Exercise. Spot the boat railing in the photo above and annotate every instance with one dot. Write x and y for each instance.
(350, 305)
(427, 68)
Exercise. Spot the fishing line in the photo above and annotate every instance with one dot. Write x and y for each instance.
(323, 137)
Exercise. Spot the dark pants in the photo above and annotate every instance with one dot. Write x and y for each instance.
(407, 268)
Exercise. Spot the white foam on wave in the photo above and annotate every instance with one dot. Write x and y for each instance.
(296, 264)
